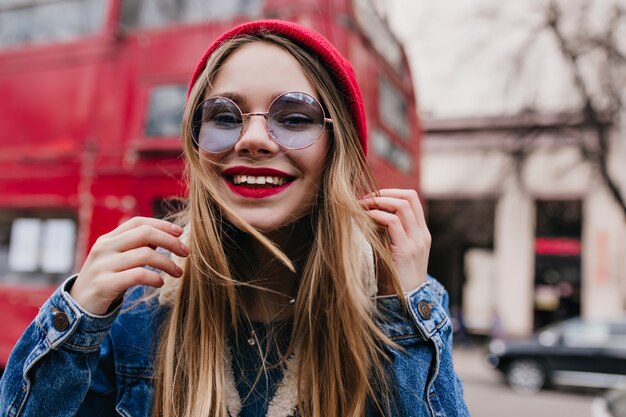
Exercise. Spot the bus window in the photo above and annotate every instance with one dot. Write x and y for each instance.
(156, 13)
(24, 245)
(43, 21)
(36, 250)
(58, 241)
(165, 110)
(377, 32)
(385, 147)
(393, 108)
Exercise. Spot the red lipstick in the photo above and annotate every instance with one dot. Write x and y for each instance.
(256, 191)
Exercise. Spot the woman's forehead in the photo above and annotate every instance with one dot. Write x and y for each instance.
(260, 69)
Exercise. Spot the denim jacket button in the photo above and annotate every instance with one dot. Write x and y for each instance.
(60, 320)
(424, 310)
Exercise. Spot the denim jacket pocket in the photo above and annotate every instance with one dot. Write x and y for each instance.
(136, 391)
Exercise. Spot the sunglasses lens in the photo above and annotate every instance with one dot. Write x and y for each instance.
(296, 120)
(219, 124)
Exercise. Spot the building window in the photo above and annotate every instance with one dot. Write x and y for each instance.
(393, 108)
(156, 13)
(45, 21)
(165, 110)
(386, 148)
(36, 249)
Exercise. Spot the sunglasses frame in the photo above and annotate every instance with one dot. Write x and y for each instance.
(245, 116)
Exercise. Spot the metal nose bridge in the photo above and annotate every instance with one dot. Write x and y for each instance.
(259, 113)
(245, 122)
(245, 116)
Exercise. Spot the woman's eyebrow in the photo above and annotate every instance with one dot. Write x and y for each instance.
(241, 100)
(237, 98)
(276, 95)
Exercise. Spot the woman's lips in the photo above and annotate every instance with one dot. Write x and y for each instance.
(252, 182)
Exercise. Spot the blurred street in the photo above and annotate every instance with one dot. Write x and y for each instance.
(488, 396)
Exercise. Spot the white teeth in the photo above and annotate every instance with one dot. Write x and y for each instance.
(249, 179)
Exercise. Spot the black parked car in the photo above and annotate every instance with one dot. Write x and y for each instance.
(575, 352)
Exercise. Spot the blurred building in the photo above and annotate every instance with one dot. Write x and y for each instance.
(525, 229)
(521, 240)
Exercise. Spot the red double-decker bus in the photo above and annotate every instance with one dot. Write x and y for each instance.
(92, 93)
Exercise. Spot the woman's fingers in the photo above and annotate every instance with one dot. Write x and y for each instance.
(406, 205)
(136, 276)
(401, 213)
(410, 196)
(147, 235)
(398, 207)
(394, 226)
(405, 245)
(145, 256)
(118, 261)
(138, 221)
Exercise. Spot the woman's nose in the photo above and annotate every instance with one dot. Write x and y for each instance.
(255, 138)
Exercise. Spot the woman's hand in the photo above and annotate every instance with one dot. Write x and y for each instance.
(401, 213)
(117, 262)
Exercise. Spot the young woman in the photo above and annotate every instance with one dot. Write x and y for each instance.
(292, 285)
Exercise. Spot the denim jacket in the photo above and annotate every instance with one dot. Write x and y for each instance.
(70, 362)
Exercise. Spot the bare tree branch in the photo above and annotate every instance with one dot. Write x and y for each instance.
(600, 120)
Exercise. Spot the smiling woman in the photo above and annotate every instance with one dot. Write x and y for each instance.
(294, 116)
(288, 286)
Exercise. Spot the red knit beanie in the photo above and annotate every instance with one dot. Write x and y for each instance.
(339, 68)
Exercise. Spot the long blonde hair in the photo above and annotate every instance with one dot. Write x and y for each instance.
(339, 348)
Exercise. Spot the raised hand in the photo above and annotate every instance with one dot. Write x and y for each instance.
(117, 262)
(401, 213)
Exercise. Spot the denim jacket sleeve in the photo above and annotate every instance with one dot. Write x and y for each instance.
(421, 371)
(54, 363)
